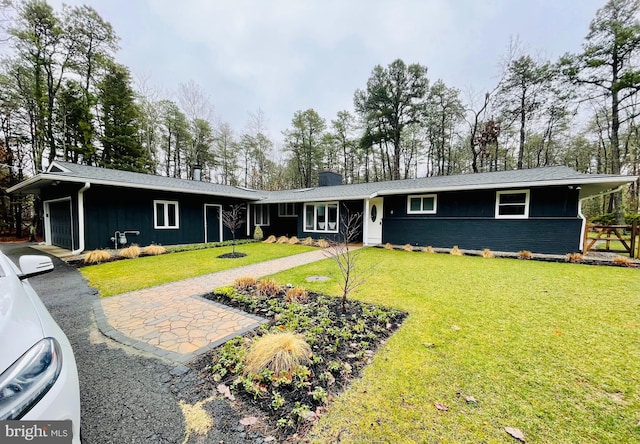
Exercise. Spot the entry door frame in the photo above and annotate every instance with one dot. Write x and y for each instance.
(206, 222)
(48, 236)
(373, 228)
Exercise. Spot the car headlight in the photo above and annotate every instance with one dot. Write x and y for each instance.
(28, 379)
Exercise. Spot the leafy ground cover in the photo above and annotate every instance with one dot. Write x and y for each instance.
(341, 344)
(134, 274)
(550, 349)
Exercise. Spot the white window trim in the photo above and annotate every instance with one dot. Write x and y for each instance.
(512, 216)
(315, 217)
(262, 209)
(281, 214)
(422, 196)
(165, 205)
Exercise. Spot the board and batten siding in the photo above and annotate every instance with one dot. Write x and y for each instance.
(70, 192)
(354, 206)
(108, 209)
(467, 219)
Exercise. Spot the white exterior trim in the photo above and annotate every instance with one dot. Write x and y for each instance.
(47, 219)
(421, 196)
(166, 204)
(527, 201)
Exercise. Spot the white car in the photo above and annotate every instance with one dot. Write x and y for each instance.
(38, 374)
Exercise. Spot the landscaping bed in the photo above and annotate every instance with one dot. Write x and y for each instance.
(341, 344)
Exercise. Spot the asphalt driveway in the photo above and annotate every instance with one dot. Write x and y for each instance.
(127, 396)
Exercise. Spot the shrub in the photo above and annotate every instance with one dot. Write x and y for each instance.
(270, 240)
(388, 246)
(294, 240)
(322, 243)
(97, 256)
(257, 233)
(487, 254)
(574, 257)
(630, 217)
(308, 241)
(296, 294)
(456, 251)
(277, 352)
(605, 219)
(154, 250)
(622, 260)
(525, 254)
(131, 252)
(268, 287)
(408, 247)
(429, 249)
(244, 283)
(282, 240)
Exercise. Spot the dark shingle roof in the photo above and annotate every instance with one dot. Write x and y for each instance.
(82, 173)
(558, 175)
(590, 183)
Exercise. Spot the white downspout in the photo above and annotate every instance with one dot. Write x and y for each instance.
(80, 249)
(583, 225)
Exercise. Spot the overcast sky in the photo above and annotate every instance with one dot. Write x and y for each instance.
(287, 55)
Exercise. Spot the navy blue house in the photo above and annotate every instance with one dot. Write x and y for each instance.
(536, 209)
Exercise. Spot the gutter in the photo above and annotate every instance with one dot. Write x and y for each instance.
(583, 228)
(81, 191)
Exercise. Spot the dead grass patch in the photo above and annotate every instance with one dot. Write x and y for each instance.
(278, 352)
(97, 256)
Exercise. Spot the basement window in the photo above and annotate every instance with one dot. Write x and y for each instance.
(424, 204)
(165, 214)
(512, 204)
(321, 217)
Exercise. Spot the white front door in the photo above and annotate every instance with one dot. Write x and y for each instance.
(374, 221)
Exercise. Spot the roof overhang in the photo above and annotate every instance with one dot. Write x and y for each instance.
(588, 187)
(42, 180)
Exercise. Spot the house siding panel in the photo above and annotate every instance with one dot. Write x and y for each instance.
(108, 209)
(352, 206)
(467, 219)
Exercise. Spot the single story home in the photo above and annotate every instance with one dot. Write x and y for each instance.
(536, 209)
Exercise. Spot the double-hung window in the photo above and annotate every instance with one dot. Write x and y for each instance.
(513, 204)
(321, 217)
(165, 214)
(261, 215)
(423, 204)
(287, 210)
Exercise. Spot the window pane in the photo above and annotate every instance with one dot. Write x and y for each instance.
(427, 203)
(159, 215)
(511, 210)
(333, 217)
(309, 222)
(415, 203)
(321, 215)
(171, 208)
(515, 198)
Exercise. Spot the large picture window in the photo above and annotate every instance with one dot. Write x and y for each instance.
(261, 215)
(512, 204)
(287, 210)
(321, 217)
(165, 214)
(424, 204)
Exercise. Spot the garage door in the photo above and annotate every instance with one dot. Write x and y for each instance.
(60, 222)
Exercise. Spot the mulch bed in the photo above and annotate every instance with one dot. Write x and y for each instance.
(342, 343)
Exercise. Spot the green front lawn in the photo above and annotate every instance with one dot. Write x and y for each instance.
(551, 349)
(134, 274)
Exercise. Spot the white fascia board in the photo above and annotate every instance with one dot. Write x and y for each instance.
(614, 181)
(54, 177)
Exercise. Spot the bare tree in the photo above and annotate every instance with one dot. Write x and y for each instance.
(233, 220)
(345, 255)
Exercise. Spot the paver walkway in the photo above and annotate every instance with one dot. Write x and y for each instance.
(172, 321)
